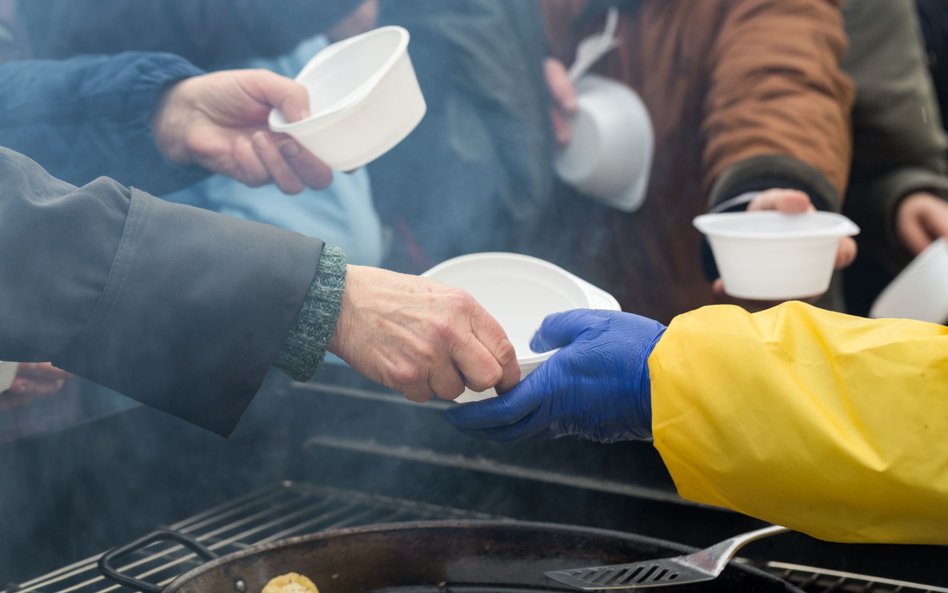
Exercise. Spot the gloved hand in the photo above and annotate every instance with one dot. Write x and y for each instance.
(597, 387)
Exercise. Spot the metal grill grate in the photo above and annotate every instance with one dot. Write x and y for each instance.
(820, 580)
(259, 517)
(295, 509)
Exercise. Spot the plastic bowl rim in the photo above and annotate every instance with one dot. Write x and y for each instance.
(356, 96)
(844, 227)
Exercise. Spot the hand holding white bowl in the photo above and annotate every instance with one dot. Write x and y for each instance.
(420, 337)
(792, 201)
(219, 121)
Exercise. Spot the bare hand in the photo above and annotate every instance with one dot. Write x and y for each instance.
(791, 201)
(921, 219)
(420, 337)
(37, 378)
(219, 121)
(565, 102)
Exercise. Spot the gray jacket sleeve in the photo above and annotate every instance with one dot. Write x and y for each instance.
(180, 308)
(899, 143)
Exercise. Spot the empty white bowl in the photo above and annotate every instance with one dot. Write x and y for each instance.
(7, 375)
(769, 255)
(610, 154)
(364, 99)
(920, 291)
(519, 291)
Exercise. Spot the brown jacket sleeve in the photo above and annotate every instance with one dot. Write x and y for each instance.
(777, 105)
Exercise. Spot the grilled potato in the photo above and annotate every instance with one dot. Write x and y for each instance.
(290, 582)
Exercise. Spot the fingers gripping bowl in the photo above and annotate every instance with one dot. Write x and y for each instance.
(519, 291)
(769, 255)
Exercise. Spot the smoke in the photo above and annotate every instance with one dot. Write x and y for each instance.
(477, 172)
(87, 471)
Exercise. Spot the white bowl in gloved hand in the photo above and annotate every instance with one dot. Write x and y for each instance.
(519, 291)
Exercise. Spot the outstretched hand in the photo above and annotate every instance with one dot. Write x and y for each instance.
(420, 337)
(219, 121)
(596, 387)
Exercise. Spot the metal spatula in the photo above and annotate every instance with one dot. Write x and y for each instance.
(702, 565)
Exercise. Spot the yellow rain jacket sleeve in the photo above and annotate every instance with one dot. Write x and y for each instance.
(832, 425)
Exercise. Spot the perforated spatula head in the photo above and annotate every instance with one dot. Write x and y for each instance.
(702, 565)
(637, 575)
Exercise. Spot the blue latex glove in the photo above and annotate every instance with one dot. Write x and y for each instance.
(597, 387)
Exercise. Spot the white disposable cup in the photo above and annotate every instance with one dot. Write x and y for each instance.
(364, 99)
(920, 291)
(519, 291)
(7, 374)
(609, 156)
(769, 255)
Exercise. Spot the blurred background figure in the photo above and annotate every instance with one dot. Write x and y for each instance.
(477, 171)
(898, 183)
(744, 96)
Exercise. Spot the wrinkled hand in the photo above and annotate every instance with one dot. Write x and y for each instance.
(791, 201)
(219, 121)
(922, 218)
(37, 378)
(597, 387)
(565, 103)
(420, 337)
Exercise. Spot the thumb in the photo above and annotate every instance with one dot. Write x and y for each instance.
(560, 329)
(287, 95)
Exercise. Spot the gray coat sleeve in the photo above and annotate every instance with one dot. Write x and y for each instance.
(899, 144)
(180, 308)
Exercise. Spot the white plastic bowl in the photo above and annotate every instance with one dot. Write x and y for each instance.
(920, 291)
(519, 291)
(7, 375)
(769, 255)
(610, 155)
(364, 99)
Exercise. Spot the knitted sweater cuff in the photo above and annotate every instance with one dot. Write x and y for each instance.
(305, 346)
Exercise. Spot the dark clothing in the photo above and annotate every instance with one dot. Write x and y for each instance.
(90, 116)
(180, 308)
(899, 144)
(209, 33)
(933, 15)
(478, 167)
